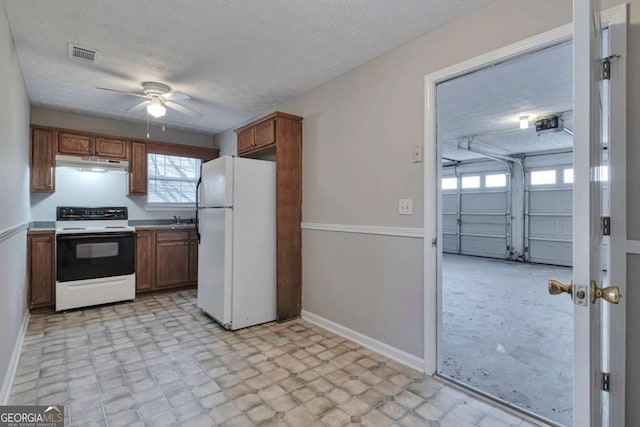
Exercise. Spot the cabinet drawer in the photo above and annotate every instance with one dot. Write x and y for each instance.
(69, 143)
(265, 133)
(245, 140)
(164, 236)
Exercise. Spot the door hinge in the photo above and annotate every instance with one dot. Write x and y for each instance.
(605, 381)
(606, 66)
(434, 242)
(606, 226)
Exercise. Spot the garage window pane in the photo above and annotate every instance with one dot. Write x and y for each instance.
(568, 176)
(470, 182)
(449, 183)
(498, 180)
(543, 177)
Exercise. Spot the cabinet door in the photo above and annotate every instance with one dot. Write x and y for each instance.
(193, 260)
(42, 161)
(41, 282)
(112, 148)
(138, 169)
(172, 263)
(265, 134)
(69, 143)
(144, 260)
(245, 140)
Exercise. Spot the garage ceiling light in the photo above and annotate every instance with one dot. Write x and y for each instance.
(524, 122)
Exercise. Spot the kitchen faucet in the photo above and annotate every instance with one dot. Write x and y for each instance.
(176, 219)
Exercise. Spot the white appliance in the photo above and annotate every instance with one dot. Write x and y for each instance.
(236, 220)
(96, 164)
(95, 257)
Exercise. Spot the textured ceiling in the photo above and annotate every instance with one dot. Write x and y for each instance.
(487, 104)
(235, 58)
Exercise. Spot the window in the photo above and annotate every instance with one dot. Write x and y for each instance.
(172, 179)
(449, 183)
(497, 180)
(471, 182)
(604, 173)
(543, 177)
(568, 176)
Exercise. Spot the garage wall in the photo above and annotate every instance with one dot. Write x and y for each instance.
(14, 199)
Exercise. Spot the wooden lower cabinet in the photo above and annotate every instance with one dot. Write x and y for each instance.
(172, 263)
(40, 260)
(193, 258)
(145, 245)
(165, 259)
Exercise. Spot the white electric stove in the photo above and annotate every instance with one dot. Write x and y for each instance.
(95, 256)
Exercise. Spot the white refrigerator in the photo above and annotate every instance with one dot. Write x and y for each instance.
(236, 217)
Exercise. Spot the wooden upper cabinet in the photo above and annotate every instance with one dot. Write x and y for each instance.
(42, 161)
(76, 144)
(265, 134)
(138, 169)
(245, 140)
(112, 148)
(40, 250)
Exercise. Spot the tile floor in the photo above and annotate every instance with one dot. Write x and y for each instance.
(159, 361)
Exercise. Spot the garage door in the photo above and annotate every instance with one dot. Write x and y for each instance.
(548, 211)
(476, 214)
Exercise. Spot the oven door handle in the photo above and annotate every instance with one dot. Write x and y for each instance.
(93, 236)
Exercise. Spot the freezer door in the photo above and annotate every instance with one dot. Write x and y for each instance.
(215, 263)
(216, 189)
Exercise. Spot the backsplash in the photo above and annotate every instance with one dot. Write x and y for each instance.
(79, 188)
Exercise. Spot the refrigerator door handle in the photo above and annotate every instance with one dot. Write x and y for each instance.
(198, 208)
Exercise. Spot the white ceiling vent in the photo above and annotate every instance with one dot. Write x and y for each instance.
(82, 53)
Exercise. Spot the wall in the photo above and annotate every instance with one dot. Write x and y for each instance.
(358, 133)
(14, 199)
(75, 188)
(79, 188)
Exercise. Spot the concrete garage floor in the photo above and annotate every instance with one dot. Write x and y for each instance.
(503, 333)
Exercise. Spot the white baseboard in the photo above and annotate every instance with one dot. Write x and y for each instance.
(5, 392)
(366, 341)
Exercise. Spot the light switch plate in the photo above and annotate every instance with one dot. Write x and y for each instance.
(405, 207)
(417, 154)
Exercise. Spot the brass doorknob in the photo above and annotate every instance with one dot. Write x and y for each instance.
(610, 294)
(556, 287)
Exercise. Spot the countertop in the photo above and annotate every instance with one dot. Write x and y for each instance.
(49, 226)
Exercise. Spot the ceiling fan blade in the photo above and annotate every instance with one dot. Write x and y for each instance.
(121, 91)
(175, 96)
(182, 109)
(139, 107)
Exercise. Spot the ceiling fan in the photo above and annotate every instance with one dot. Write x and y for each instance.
(158, 97)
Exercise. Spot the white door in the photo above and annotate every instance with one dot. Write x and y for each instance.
(216, 188)
(215, 263)
(587, 212)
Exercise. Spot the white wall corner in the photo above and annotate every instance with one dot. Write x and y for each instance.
(10, 375)
(393, 353)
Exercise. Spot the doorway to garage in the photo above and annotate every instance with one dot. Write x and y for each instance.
(506, 144)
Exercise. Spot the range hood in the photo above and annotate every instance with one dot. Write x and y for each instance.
(97, 164)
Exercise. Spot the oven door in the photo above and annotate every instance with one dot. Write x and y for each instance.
(94, 255)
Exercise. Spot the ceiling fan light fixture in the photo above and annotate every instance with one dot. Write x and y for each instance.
(156, 109)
